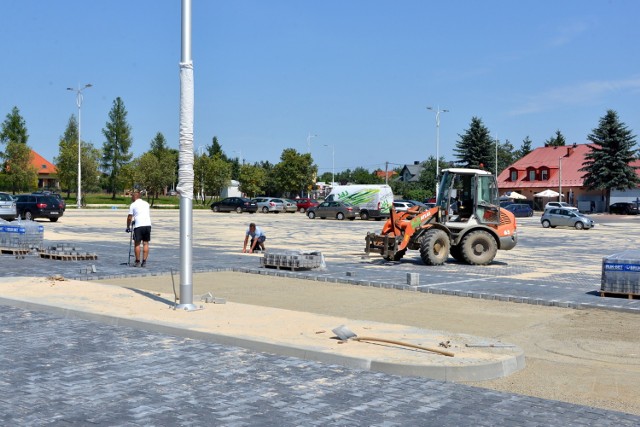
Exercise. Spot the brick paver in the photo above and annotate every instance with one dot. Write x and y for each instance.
(64, 371)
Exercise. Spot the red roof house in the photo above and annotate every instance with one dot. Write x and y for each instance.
(47, 172)
(555, 168)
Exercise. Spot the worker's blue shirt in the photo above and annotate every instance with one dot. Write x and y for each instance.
(256, 233)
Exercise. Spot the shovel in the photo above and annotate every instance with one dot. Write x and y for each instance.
(345, 334)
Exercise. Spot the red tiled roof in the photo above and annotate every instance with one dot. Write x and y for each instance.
(381, 173)
(43, 165)
(548, 158)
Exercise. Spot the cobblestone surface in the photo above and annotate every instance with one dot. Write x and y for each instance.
(63, 371)
(553, 267)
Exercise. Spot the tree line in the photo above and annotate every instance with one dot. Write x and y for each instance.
(113, 169)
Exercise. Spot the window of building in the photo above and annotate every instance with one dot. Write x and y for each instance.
(532, 174)
(544, 174)
(514, 175)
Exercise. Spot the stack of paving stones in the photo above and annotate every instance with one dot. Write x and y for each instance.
(293, 260)
(621, 273)
(66, 252)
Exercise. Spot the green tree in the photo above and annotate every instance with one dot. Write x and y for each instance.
(216, 149)
(525, 148)
(115, 150)
(67, 160)
(506, 155)
(295, 173)
(148, 172)
(269, 187)
(556, 141)
(19, 171)
(608, 163)
(361, 175)
(476, 148)
(217, 175)
(252, 179)
(167, 159)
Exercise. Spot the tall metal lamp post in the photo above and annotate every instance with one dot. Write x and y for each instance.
(437, 111)
(79, 103)
(333, 163)
(309, 151)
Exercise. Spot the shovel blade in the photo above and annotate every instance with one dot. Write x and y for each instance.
(343, 333)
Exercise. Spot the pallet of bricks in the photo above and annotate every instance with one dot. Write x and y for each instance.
(291, 260)
(67, 252)
(20, 237)
(621, 274)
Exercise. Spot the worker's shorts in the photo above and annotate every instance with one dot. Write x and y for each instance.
(142, 233)
(261, 239)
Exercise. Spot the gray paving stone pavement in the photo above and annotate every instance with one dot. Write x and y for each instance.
(65, 371)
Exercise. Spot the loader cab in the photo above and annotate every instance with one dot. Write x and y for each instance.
(468, 196)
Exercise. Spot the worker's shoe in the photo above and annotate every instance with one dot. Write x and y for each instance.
(137, 264)
(144, 263)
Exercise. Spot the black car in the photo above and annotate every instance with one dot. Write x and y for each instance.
(519, 209)
(238, 204)
(624, 208)
(32, 206)
(56, 195)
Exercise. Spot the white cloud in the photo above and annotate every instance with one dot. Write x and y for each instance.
(579, 94)
(568, 33)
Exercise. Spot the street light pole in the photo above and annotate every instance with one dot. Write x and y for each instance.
(309, 151)
(333, 163)
(437, 111)
(79, 104)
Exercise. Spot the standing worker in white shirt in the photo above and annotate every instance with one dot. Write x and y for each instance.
(140, 217)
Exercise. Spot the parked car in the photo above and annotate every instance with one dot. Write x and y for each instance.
(555, 217)
(562, 205)
(336, 209)
(238, 204)
(305, 203)
(8, 209)
(56, 195)
(270, 204)
(520, 209)
(290, 206)
(32, 206)
(624, 208)
(402, 206)
(415, 202)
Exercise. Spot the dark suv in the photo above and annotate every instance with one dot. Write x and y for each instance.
(32, 206)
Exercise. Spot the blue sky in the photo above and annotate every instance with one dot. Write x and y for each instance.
(358, 73)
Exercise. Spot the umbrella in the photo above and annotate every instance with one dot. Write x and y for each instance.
(547, 193)
(515, 195)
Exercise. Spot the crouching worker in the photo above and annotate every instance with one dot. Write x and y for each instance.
(257, 239)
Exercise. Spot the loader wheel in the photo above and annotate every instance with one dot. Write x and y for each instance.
(434, 247)
(364, 215)
(478, 248)
(397, 257)
(456, 253)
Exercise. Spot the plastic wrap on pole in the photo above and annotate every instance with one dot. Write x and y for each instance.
(185, 157)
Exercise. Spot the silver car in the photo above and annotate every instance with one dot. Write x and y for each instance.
(7, 207)
(338, 210)
(270, 204)
(555, 217)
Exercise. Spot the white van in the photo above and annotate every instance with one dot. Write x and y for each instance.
(374, 201)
